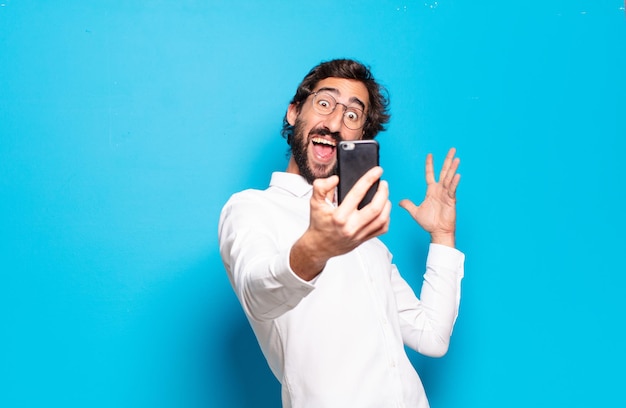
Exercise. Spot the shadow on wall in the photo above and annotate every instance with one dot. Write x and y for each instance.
(211, 347)
(247, 367)
(250, 381)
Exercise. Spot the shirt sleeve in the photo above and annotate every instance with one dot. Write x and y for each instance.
(426, 323)
(257, 266)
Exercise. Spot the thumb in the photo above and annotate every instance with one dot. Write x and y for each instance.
(409, 206)
(324, 188)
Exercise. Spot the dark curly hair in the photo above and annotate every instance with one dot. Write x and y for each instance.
(377, 114)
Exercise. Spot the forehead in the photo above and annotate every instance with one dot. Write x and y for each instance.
(346, 88)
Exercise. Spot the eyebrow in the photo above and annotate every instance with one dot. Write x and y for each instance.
(335, 91)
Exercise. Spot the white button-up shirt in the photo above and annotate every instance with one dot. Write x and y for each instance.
(337, 341)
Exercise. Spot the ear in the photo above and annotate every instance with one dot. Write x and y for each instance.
(292, 114)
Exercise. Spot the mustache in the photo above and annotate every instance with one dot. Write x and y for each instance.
(322, 131)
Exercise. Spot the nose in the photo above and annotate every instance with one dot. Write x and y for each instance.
(334, 121)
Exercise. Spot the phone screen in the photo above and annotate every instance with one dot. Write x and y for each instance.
(355, 158)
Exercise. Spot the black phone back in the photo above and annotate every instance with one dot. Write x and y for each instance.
(355, 158)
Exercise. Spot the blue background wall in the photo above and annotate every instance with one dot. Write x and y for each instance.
(125, 126)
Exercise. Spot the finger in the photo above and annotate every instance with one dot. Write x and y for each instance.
(381, 197)
(447, 164)
(372, 219)
(451, 172)
(376, 207)
(380, 225)
(430, 172)
(453, 185)
(358, 191)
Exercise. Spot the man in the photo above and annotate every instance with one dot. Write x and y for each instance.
(329, 309)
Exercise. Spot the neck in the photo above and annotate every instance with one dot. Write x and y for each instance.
(292, 167)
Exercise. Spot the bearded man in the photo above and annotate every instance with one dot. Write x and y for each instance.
(330, 310)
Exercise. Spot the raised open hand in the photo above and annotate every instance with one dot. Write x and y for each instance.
(437, 213)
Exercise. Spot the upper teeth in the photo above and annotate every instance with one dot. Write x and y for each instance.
(324, 141)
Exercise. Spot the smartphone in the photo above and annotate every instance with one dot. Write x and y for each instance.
(355, 158)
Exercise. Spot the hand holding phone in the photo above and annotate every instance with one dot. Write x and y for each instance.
(354, 159)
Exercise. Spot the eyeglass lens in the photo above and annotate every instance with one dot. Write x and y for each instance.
(325, 104)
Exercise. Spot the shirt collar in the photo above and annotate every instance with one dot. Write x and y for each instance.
(292, 183)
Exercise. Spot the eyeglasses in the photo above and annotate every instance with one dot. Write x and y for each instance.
(325, 104)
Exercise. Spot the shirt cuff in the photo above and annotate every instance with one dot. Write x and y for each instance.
(446, 257)
(289, 278)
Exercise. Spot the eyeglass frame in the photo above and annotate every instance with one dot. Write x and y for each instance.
(345, 108)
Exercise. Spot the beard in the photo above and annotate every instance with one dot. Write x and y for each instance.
(299, 148)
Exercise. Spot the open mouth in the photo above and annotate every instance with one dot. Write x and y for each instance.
(323, 148)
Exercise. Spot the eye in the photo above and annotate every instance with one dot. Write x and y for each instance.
(353, 115)
(323, 103)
